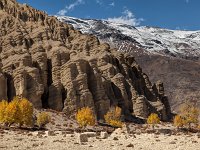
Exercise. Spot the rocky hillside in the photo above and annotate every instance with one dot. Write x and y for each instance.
(169, 55)
(58, 67)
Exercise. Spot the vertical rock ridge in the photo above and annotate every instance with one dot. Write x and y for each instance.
(58, 67)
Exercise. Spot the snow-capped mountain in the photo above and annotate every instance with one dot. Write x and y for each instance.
(184, 44)
(170, 55)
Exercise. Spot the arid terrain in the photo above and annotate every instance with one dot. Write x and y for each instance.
(62, 134)
(54, 79)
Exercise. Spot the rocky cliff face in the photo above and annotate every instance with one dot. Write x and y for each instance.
(58, 67)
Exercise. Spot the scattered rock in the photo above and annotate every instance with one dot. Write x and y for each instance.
(115, 138)
(30, 134)
(40, 133)
(35, 145)
(165, 131)
(90, 134)
(172, 142)
(130, 145)
(51, 133)
(104, 135)
(82, 138)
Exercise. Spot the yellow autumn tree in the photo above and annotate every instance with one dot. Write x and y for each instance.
(178, 121)
(18, 111)
(3, 106)
(113, 117)
(85, 116)
(13, 112)
(153, 119)
(189, 113)
(26, 110)
(43, 118)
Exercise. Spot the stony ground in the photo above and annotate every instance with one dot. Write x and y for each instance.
(65, 140)
(61, 134)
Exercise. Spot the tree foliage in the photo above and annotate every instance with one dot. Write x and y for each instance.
(153, 119)
(189, 114)
(113, 117)
(178, 121)
(43, 118)
(85, 116)
(13, 112)
(26, 109)
(18, 111)
(3, 106)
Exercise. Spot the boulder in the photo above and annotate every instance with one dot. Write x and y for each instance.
(104, 135)
(82, 137)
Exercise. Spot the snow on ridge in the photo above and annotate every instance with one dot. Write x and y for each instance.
(151, 38)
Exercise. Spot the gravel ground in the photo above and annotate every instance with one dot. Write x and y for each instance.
(20, 140)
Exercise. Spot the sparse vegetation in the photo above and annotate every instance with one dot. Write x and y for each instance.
(85, 116)
(178, 121)
(113, 117)
(26, 110)
(153, 119)
(43, 118)
(190, 114)
(13, 112)
(3, 106)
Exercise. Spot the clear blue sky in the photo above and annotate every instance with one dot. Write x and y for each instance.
(171, 14)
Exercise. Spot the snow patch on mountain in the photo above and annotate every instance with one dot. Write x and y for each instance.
(151, 39)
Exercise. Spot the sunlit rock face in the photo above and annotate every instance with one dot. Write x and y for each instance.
(57, 67)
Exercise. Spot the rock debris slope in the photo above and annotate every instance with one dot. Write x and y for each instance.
(58, 67)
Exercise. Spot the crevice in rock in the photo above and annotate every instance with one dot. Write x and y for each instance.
(64, 95)
(117, 93)
(44, 98)
(11, 92)
(49, 71)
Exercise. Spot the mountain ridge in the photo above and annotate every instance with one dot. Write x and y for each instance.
(169, 55)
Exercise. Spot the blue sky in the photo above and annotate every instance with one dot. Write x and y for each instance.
(171, 14)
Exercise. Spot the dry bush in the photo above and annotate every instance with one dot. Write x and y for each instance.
(198, 127)
(13, 112)
(3, 106)
(26, 109)
(178, 121)
(85, 116)
(43, 118)
(153, 119)
(189, 113)
(18, 111)
(113, 117)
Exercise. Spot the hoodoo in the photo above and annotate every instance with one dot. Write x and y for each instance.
(58, 67)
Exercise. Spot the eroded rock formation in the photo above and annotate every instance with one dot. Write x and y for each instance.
(58, 67)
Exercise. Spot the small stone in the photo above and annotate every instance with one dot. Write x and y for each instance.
(41, 133)
(104, 135)
(90, 134)
(172, 142)
(30, 134)
(35, 145)
(51, 133)
(130, 145)
(82, 138)
(115, 138)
